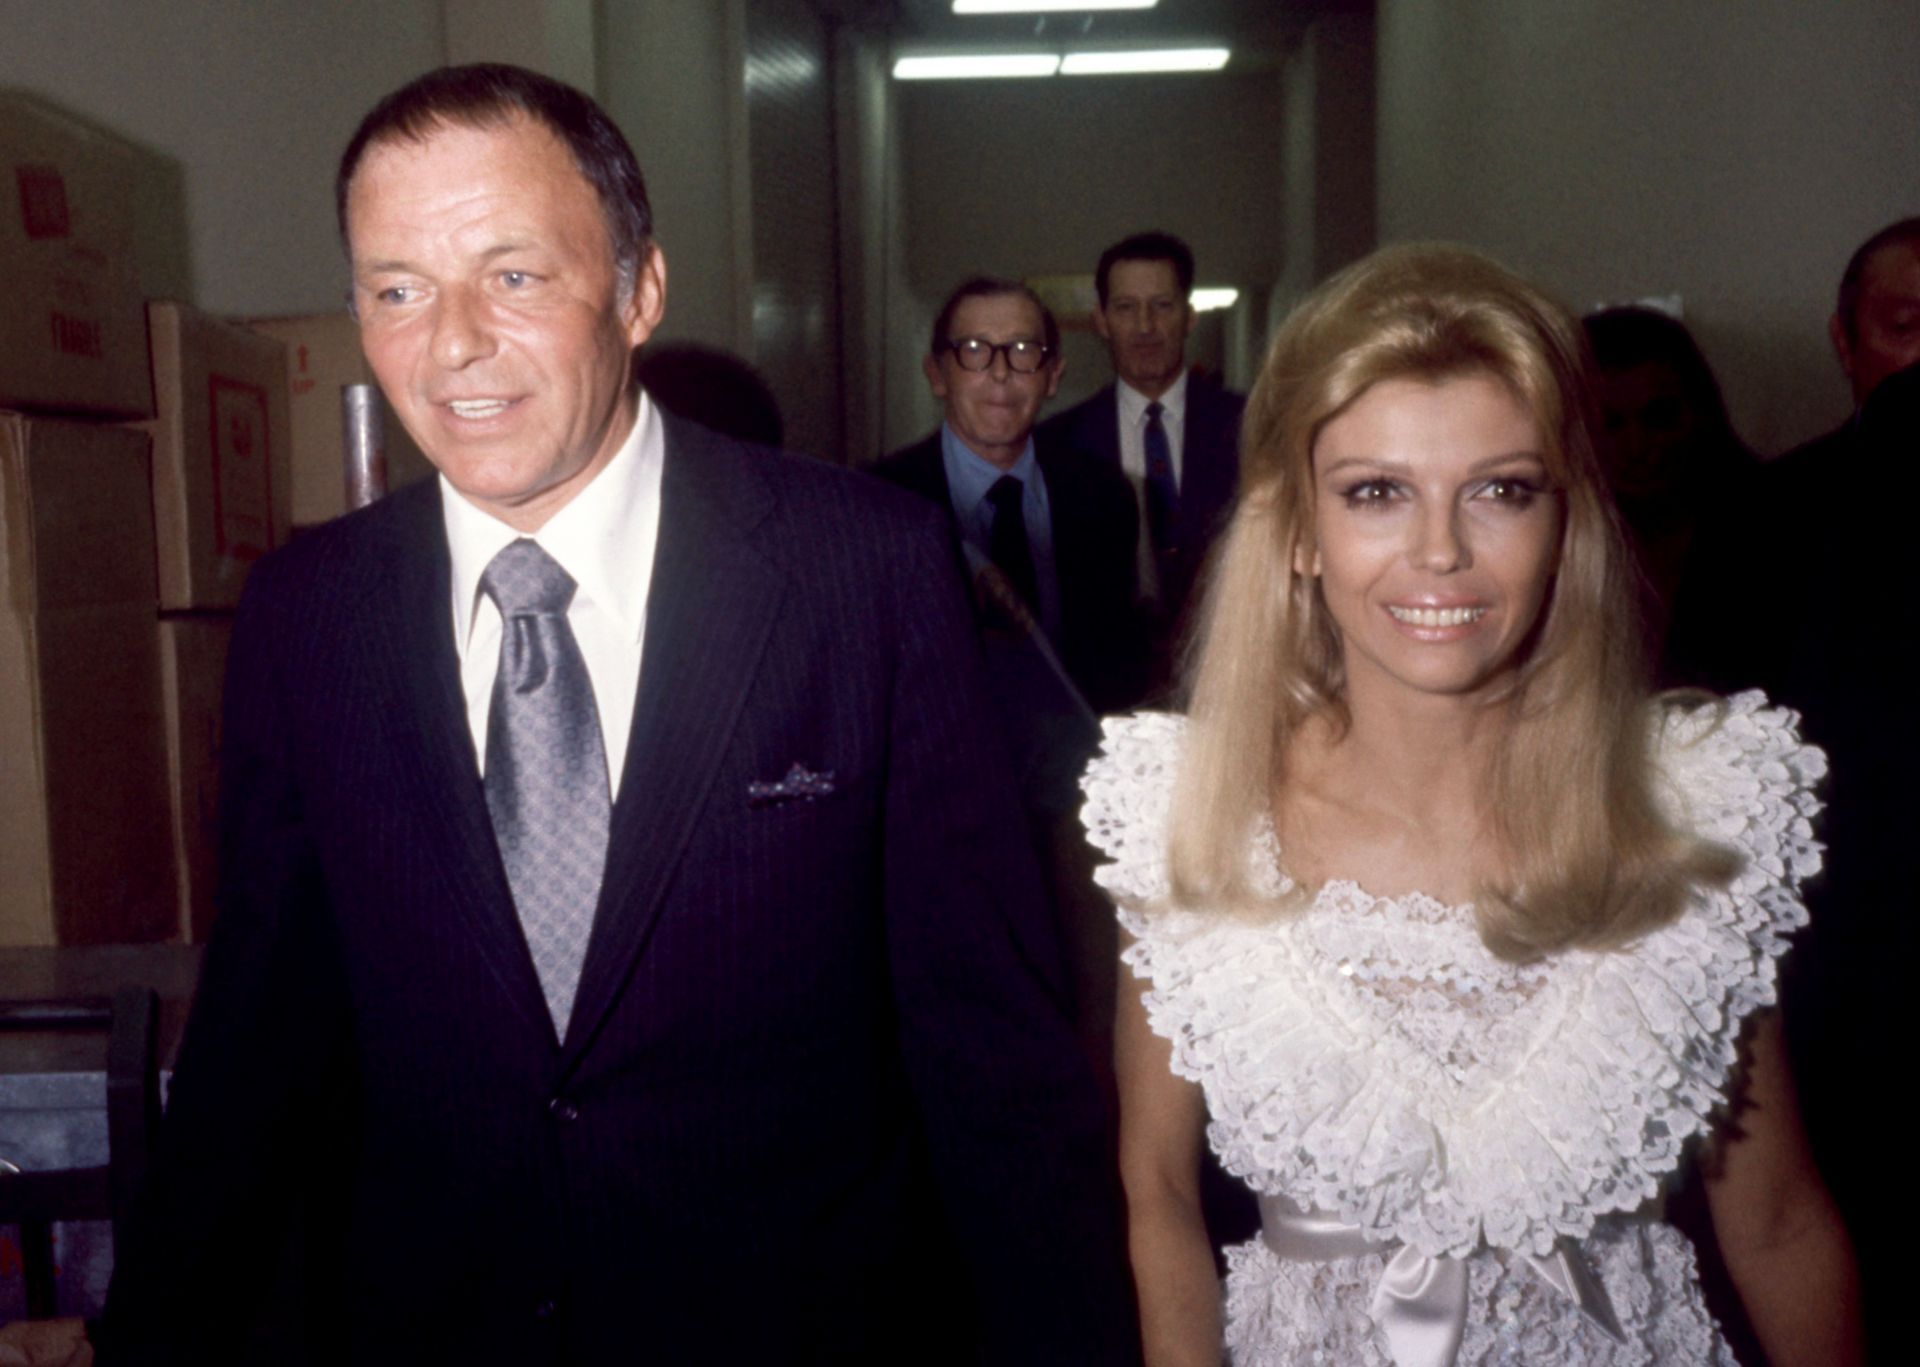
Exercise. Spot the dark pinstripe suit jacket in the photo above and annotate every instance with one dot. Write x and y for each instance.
(819, 1100)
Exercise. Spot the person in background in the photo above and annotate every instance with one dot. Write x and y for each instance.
(714, 388)
(1671, 458)
(1050, 533)
(623, 951)
(1174, 433)
(1458, 934)
(1058, 525)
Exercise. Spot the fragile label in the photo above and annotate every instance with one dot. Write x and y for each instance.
(242, 489)
(43, 201)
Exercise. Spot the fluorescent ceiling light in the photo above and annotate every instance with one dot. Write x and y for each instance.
(1045, 6)
(965, 65)
(1205, 301)
(1127, 63)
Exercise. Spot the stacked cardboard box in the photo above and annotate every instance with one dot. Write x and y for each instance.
(122, 550)
(72, 335)
(85, 856)
(323, 356)
(222, 498)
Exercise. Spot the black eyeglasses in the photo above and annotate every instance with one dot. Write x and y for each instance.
(974, 353)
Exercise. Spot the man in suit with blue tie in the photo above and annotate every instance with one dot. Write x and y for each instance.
(1175, 434)
(623, 951)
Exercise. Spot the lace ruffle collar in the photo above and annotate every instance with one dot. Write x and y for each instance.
(1369, 1058)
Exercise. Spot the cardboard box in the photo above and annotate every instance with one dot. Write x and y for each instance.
(323, 354)
(72, 333)
(221, 465)
(193, 668)
(85, 855)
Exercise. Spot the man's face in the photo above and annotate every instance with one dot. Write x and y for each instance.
(491, 312)
(1145, 322)
(1886, 325)
(993, 410)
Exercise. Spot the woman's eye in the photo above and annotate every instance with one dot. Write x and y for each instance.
(1516, 493)
(1369, 492)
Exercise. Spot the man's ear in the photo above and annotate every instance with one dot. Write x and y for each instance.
(1100, 322)
(936, 378)
(643, 310)
(1842, 345)
(1054, 372)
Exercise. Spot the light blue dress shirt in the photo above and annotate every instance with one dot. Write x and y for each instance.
(969, 478)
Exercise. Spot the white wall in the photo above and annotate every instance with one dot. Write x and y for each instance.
(242, 108)
(1733, 154)
(670, 75)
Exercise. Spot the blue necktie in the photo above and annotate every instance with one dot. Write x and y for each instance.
(1163, 493)
(546, 780)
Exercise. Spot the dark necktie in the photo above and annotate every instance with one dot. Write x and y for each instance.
(1163, 493)
(546, 778)
(1009, 549)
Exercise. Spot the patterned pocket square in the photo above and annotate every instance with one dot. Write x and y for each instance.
(800, 785)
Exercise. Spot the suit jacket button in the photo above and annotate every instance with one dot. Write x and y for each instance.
(563, 1110)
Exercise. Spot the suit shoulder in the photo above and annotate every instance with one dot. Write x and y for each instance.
(338, 553)
(830, 503)
(917, 467)
(1071, 420)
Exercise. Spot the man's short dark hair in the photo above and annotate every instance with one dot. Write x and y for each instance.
(1146, 247)
(490, 94)
(1905, 233)
(992, 287)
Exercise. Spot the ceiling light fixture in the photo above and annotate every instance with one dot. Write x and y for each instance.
(1133, 63)
(1045, 6)
(964, 66)
(1207, 300)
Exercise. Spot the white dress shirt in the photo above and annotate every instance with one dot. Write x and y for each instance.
(1133, 459)
(605, 539)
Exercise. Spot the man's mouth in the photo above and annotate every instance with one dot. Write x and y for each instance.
(478, 408)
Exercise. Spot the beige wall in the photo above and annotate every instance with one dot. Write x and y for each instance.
(670, 76)
(1733, 154)
(242, 107)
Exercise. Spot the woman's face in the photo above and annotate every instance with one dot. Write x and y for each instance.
(1649, 430)
(1438, 531)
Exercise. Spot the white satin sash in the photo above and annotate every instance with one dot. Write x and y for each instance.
(1420, 1303)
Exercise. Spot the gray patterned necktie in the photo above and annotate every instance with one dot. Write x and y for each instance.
(546, 775)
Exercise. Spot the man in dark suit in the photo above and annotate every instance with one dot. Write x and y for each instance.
(1059, 525)
(623, 953)
(1175, 434)
(1053, 530)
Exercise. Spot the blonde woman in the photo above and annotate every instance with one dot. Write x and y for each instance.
(1457, 934)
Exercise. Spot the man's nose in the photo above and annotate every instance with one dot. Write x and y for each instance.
(462, 332)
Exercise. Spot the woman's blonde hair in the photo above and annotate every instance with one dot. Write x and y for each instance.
(1591, 859)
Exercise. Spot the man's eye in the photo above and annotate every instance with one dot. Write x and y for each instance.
(513, 280)
(393, 294)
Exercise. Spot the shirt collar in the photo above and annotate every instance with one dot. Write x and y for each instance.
(970, 476)
(589, 537)
(1133, 404)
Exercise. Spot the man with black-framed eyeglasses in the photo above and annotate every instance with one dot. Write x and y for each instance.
(1057, 526)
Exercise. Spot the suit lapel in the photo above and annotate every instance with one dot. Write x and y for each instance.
(711, 605)
(410, 620)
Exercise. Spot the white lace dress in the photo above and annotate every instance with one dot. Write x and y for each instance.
(1368, 1061)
